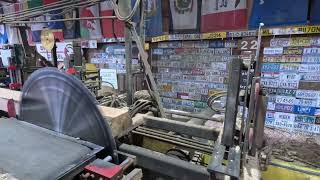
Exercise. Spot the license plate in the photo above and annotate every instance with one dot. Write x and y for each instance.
(316, 129)
(271, 51)
(285, 100)
(187, 44)
(216, 44)
(216, 79)
(314, 51)
(310, 77)
(271, 106)
(174, 44)
(315, 41)
(310, 59)
(272, 98)
(286, 92)
(291, 59)
(288, 84)
(201, 44)
(207, 51)
(283, 124)
(230, 44)
(307, 110)
(284, 116)
(317, 121)
(269, 120)
(305, 119)
(289, 67)
(157, 51)
(293, 51)
(272, 59)
(169, 51)
(305, 102)
(270, 67)
(269, 91)
(300, 41)
(273, 83)
(289, 76)
(224, 51)
(273, 75)
(219, 66)
(284, 108)
(309, 68)
(279, 42)
(162, 45)
(307, 94)
(303, 127)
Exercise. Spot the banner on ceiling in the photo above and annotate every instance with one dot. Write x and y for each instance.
(223, 15)
(153, 18)
(278, 13)
(184, 15)
(11, 31)
(90, 29)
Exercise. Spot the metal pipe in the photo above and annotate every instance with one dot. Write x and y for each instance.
(176, 139)
(164, 164)
(61, 20)
(168, 111)
(171, 135)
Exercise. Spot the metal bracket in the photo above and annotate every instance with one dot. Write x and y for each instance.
(232, 167)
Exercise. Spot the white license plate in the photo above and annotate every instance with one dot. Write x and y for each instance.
(288, 84)
(216, 79)
(303, 127)
(289, 67)
(273, 83)
(272, 59)
(314, 51)
(316, 129)
(289, 76)
(285, 100)
(271, 106)
(306, 102)
(284, 116)
(174, 44)
(309, 68)
(157, 51)
(230, 44)
(291, 59)
(315, 41)
(279, 42)
(225, 51)
(270, 75)
(310, 59)
(219, 66)
(269, 120)
(207, 51)
(271, 51)
(163, 44)
(310, 77)
(307, 94)
(283, 124)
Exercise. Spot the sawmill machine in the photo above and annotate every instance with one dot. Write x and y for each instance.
(59, 134)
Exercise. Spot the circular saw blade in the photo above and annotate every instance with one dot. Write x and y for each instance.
(60, 102)
(47, 39)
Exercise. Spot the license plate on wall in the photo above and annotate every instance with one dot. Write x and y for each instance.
(306, 102)
(285, 100)
(291, 59)
(305, 119)
(307, 110)
(289, 76)
(307, 94)
(310, 77)
(273, 51)
(272, 59)
(314, 51)
(279, 42)
(309, 68)
(270, 67)
(286, 92)
(284, 116)
(272, 83)
(288, 84)
(289, 67)
(310, 59)
(293, 51)
(284, 108)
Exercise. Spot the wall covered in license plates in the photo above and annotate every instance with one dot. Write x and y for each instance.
(187, 72)
(291, 79)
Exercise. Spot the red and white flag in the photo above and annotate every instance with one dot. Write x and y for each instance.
(223, 15)
(106, 9)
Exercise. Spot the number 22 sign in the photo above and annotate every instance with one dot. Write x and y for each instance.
(249, 44)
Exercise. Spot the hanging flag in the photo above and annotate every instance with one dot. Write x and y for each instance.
(34, 3)
(278, 13)
(56, 26)
(3, 33)
(110, 28)
(37, 28)
(314, 12)
(90, 29)
(71, 29)
(217, 15)
(184, 14)
(12, 32)
(153, 18)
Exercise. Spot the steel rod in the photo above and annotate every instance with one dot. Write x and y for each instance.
(168, 111)
(61, 20)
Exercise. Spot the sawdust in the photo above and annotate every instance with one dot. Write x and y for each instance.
(7, 177)
(301, 149)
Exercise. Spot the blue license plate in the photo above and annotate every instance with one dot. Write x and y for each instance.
(304, 110)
